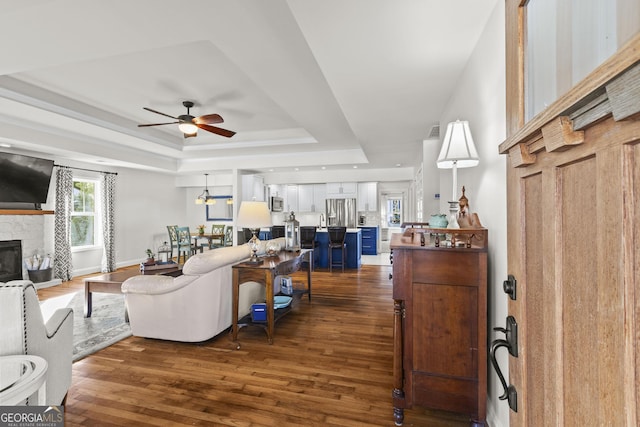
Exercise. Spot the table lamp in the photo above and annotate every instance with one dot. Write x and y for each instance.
(254, 215)
(458, 151)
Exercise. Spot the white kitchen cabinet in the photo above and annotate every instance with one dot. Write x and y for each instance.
(367, 197)
(291, 201)
(305, 198)
(319, 196)
(253, 188)
(311, 197)
(342, 190)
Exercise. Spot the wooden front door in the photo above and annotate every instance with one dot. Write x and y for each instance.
(574, 248)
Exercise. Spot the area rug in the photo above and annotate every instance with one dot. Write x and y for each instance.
(105, 327)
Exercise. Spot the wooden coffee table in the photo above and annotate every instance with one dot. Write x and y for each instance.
(111, 283)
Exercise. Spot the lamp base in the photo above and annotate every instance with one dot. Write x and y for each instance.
(453, 215)
(254, 244)
(254, 261)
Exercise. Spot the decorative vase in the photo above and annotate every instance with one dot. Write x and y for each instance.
(438, 221)
(272, 248)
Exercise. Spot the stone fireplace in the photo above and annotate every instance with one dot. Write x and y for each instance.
(10, 260)
(34, 230)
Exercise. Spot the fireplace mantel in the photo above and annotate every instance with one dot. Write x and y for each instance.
(24, 212)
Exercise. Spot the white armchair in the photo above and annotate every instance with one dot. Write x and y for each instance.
(23, 331)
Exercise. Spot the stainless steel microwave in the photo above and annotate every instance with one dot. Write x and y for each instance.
(277, 204)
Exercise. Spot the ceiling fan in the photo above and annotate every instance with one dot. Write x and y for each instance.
(189, 124)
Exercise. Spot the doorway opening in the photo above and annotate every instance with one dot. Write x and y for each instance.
(394, 212)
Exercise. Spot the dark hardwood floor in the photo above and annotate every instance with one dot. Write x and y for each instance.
(330, 365)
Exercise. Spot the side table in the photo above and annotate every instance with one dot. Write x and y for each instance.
(20, 377)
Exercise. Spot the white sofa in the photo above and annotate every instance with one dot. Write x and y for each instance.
(195, 306)
(23, 331)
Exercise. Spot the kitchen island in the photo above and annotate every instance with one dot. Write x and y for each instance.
(353, 240)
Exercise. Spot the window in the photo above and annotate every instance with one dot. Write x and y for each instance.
(566, 40)
(84, 215)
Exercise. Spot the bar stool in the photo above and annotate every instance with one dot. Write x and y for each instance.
(308, 241)
(277, 231)
(336, 241)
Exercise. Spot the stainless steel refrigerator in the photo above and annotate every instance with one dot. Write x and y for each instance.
(341, 212)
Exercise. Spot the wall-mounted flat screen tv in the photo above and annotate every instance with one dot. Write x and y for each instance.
(24, 179)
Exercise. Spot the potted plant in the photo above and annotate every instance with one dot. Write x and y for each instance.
(150, 257)
(200, 230)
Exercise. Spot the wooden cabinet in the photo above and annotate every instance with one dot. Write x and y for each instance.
(368, 197)
(440, 324)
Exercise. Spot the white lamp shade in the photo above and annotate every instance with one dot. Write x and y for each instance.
(254, 215)
(458, 147)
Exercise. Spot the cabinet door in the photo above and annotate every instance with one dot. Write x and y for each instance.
(319, 197)
(334, 189)
(258, 188)
(372, 197)
(305, 198)
(350, 188)
(292, 198)
(247, 187)
(363, 196)
(342, 190)
(367, 197)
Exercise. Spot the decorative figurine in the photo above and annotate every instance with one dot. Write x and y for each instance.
(466, 219)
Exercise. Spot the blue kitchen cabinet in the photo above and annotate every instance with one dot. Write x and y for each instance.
(369, 240)
(353, 239)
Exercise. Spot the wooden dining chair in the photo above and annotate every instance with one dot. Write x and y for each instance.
(186, 246)
(216, 242)
(228, 235)
(173, 238)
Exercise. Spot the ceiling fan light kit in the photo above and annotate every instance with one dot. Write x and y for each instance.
(189, 124)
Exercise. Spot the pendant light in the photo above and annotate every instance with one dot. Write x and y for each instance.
(204, 197)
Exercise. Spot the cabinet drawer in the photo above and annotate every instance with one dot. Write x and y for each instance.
(445, 267)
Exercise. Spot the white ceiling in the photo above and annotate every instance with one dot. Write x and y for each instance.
(307, 83)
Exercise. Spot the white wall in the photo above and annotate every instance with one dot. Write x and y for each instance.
(431, 179)
(197, 214)
(480, 99)
(146, 202)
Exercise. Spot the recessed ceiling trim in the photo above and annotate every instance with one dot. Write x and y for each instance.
(42, 99)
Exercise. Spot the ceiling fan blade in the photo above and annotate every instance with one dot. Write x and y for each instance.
(216, 130)
(158, 112)
(157, 124)
(208, 119)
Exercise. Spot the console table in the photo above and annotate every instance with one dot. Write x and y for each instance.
(282, 263)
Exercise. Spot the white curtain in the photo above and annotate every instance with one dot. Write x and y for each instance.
(108, 198)
(62, 265)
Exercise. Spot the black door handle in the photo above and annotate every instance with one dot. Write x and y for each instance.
(511, 344)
